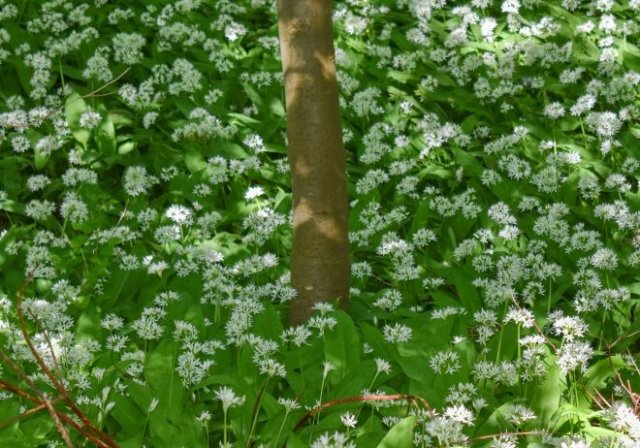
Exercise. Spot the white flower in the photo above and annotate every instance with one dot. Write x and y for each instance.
(520, 316)
(157, 268)
(569, 327)
(447, 362)
(204, 417)
(585, 28)
(112, 322)
(90, 119)
(147, 327)
(336, 440)
(349, 420)
(396, 333)
(510, 6)
(127, 48)
(328, 367)
(272, 368)
(289, 404)
(20, 143)
(487, 26)
(382, 366)
(228, 398)
(234, 31)
(574, 354)
(499, 213)
(253, 192)
(554, 110)
(179, 214)
(519, 415)
(136, 180)
(604, 124)
(459, 414)
(604, 259)
(149, 118)
(73, 208)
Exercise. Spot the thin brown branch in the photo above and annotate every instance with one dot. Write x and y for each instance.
(361, 398)
(620, 339)
(88, 95)
(56, 420)
(11, 388)
(102, 87)
(85, 431)
(516, 433)
(99, 435)
(48, 340)
(25, 414)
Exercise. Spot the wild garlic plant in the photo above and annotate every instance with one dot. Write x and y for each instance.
(145, 227)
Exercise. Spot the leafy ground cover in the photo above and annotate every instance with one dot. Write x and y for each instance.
(493, 164)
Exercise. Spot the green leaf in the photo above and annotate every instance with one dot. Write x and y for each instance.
(602, 370)
(194, 160)
(40, 159)
(242, 119)
(295, 442)
(161, 373)
(74, 107)
(400, 436)
(342, 345)
(126, 147)
(467, 293)
(547, 396)
(106, 134)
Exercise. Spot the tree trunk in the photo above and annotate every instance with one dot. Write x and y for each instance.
(320, 256)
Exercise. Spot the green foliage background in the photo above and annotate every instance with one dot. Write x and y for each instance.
(493, 170)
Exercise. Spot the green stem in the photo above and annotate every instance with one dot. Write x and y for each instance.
(370, 386)
(324, 377)
(604, 318)
(257, 409)
(61, 74)
(504, 312)
(518, 342)
(286, 414)
(549, 299)
(301, 370)
(173, 361)
(224, 429)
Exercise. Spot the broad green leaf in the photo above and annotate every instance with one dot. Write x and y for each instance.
(547, 396)
(600, 371)
(400, 435)
(74, 107)
(294, 441)
(342, 345)
(105, 134)
(160, 371)
(194, 160)
(467, 293)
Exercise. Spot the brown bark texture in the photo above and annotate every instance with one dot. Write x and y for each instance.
(320, 254)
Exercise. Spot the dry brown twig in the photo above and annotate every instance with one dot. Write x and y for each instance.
(93, 94)
(361, 398)
(42, 400)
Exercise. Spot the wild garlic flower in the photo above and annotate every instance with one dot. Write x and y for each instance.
(445, 362)
(574, 354)
(382, 366)
(228, 398)
(396, 333)
(90, 119)
(335, 440)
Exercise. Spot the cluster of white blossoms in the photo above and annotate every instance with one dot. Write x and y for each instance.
(495, 196)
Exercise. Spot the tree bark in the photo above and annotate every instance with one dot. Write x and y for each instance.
(320, 254)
